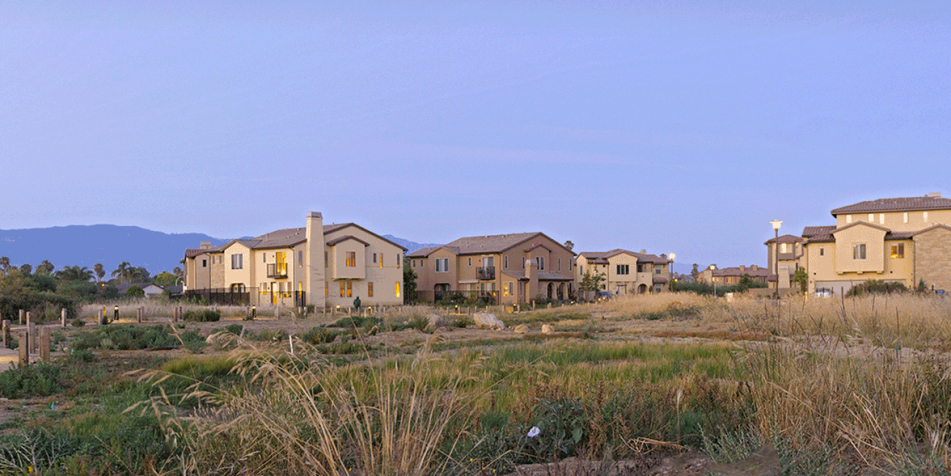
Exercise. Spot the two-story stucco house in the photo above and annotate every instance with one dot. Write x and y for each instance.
(784, 255)
(504, 269)
(321, 265)
(732, 275)
(904, 240)
(625, 272)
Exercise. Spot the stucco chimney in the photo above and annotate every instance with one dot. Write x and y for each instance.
(314, 260)
(934, 195)
(205, 245)
(643, 252)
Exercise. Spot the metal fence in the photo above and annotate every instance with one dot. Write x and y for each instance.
(221, 296)
(459, 297)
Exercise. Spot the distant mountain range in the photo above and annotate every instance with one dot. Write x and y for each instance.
(86, 245)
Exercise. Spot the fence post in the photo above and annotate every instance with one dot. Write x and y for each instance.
(6, 334)
(22, 316)
(31, 329)
(24, 345)
(45, 345)
(138, 314)
(62, 317)
(277, 312)
(27, 318)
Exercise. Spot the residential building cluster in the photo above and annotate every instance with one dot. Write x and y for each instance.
(331, 265)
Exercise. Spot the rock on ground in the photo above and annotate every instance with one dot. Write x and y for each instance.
(547, 329)
(521, 329)
(484, 320)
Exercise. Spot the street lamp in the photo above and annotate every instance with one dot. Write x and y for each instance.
(671, 274)
(713, 267)
(776, 224)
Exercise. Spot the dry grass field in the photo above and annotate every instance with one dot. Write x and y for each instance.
(662, 384)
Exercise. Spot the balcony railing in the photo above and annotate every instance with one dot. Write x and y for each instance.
(486, 272)
(277, 270)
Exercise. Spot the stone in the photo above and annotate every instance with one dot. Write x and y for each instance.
(547, 329)
(485, 320)
(521, 329)
(435, 322)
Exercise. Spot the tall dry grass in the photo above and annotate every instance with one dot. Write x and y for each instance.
(294, 415)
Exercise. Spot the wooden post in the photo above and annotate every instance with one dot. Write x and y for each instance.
(22, 316)
(277, 312)
(31, 330)
(45, 345)
(28, 318)
(6, 334)
(138, 314)
(24, 345)
(62, 317)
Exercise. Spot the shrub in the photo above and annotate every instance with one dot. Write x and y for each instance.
(318, 335)
(125, 337)
(29, 381)
(875, 287)
(205, 315)
(78, 322)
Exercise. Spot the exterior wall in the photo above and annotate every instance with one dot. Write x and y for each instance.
(824, 272)
(932, 259)
(623, 283)
(874, 240)
(895, 221)
(238, 276)
(385, 274)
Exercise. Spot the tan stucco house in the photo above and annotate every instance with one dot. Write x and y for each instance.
(504, 269)
(785, 256)
(905, 240)
(625, 272)
(321, 265)
(732, 275)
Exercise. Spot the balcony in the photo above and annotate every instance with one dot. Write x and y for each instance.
(277, 270)
(486, 272)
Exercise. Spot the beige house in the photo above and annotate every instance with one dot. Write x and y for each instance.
(905, 240)
(790, 257)
(503, 269)
(626, 272)
(732, 275)
(321, 265)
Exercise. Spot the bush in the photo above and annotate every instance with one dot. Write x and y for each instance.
(30, 381)
(78, 322)
(875, 287)
(318, 335)
(205, 315)
(125, 337)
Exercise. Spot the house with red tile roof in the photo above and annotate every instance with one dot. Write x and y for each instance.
(905, 240)
(625, 272)
(499, 269)
(320, 265)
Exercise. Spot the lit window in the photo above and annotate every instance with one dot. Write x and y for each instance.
(343, 288)
(399, 260)
(326, 289)
(397, 289)
(898, 251)
(782, 248)
(507, 288)
(848, 218)
(369, 289)
(858, 251)
(871, 217)
(925, 216)
(351, 259)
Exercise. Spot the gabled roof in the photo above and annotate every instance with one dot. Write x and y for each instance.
(490, 244)
(193, 252)
(345, 238)
(860, 223)
(896, 205)
(602, 257)
(336, 227)
(785, 239)
(732, 271)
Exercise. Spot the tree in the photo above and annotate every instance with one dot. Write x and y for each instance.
(135, 291)
(802, 278)
(409, 283)
(26, 270)
(165, 279)
(100, 272)
(569, 245)
(4, 264)
(140, 274)
(695, 272)
(178, 272)
(74, 273)
(123, 273)
(591, 282)
(45, 267)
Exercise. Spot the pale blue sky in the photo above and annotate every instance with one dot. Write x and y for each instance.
(685, 127)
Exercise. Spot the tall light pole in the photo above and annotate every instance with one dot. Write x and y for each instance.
(712, 267)
(776, 224)
(670, 277)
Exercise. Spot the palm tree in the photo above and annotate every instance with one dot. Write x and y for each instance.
(74, 273)
(47, 266)
(100, 272)
(123, 272)
(5, 264)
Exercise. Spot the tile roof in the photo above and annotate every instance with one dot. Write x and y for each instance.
(345, 238)
(731, 271)
(286, 238)
(496, 243)
(601, 257)
(810, 231)
(896, 205)
(423, 252)
(785, 239)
